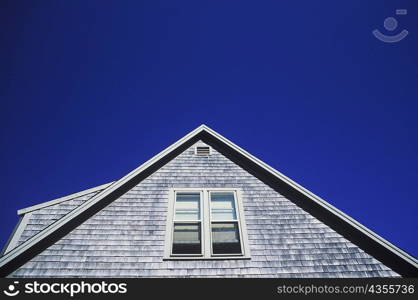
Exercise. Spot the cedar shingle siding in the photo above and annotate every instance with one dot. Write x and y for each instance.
(42, 218)
(126, 239)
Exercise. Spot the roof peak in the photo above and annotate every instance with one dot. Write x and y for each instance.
(391, 253)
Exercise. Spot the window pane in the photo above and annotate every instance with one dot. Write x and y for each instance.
(187, 206)
(223, 206)
(225, 238)
(186, 238)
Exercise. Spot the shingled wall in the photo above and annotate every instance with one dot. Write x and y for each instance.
(126, 239)
(41, 218)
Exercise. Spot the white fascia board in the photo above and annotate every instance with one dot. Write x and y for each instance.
(117, 184)
(18, 232)
(89, 203)
(388, 245)
(62, 199)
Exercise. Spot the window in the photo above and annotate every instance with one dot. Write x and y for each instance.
(205, 223)
(187, 224)
(224, 224)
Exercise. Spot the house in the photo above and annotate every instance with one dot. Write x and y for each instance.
(203, 207)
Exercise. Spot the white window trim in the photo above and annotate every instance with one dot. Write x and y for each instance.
(206, 236)
(200, 220)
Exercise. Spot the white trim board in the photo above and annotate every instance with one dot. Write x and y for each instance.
(56, 226)
(62, 199)
(319, 200)
(10, 260)
(18, 232)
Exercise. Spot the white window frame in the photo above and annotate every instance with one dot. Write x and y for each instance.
(200, 220)
(206, 234)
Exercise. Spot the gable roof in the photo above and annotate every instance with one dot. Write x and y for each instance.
(381, 249)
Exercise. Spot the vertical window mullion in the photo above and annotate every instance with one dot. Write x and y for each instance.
(210, 223)
(239, 220)
(206, 224)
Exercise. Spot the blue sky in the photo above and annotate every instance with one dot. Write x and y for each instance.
(91, 89)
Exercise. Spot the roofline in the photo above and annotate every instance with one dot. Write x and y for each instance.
(62, 199)
(11, 237)
(54, 227)
(329, 207)
(17, 233)
(40, 239)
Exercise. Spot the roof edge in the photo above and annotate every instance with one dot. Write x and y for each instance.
(41, 236)
(17, 233)
(9, 261)
(329, 207)
(41, 205)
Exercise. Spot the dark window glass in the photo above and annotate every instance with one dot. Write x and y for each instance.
(225, 238)
(187, 238)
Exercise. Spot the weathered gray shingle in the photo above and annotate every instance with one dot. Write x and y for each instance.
(126, 239)
(42, 218)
